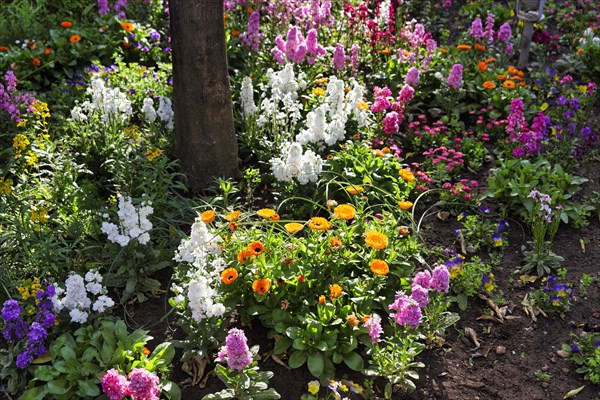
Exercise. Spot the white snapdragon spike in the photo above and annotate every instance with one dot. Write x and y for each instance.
(75, 296)
(78, 115)
(247, 97)
(203, 299)
(133, 223)
(165, 112)
(109, 104)
(148, 110)
(199, 246)
(293, 163)
(280, 96)
(354, 98)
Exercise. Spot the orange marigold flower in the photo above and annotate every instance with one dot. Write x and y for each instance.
(488, 85)
(266, 213)
(128, 26)
(379, 267)
(229, 276)
(233, 226)
(509, 84)
(322, 299)
(47, 51)
(66, 24)
(232, 216)
(405, 205)
(489, 60)
(352, 320)
(345, 211)
(335, 291)
(336, 243)
(403, 230)
(207, 216)
(579, 52)
(482, 66)
(250, 10)
(443, 51)
(322, 81)
(275, 217)
(386, 150)
(4, 48)
(244, 255)
(261, 286)
(479, 47)
(354, 189)
(407, 175)
(501, 78)
(235, 32)
(362, 106)
(385, 51)
(146, 351)
(36, 61)
(463, 47)
(257, 248)
(376, 240)
(319, 224)
(522, 83)
(318, 91)
(365, 318)
(75, 39)
(293, 227)
(378, 153)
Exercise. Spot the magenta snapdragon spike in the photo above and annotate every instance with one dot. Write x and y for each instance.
(407, 310)
(455, 77)
(391, 123)
(412, 77)
(489, 28)
(440, 279)
(253, 36)
(115, 385)
(354, 59)
(515, 122)
(406, 94)
(504, 32)
(236, 351)
(423, 279)
(143, 385)
(419, 294)
(120, 7)
(339, 57)
(477, 29)
(103, 7)
(373, 324)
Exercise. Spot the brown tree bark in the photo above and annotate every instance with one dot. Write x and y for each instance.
(205, 140)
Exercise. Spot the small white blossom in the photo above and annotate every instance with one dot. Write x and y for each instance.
(148, 110)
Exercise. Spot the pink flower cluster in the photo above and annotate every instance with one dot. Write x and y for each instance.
(253, 36)
(11, 100)
(408, 308)
(339, 57)
(236, 351)
(455, 78)
(463, 189)
(296, 48)
(414, 35)
(373, 324)
(444, 155)
(142, 385)
(383, 103)
(528, 140)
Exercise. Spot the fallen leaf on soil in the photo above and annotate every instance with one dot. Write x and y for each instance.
(582, 243)
(563, 354)
(443, 215)
(195, 368)
(573, 392)
(463, 243)
(489, 317)
(280, 361)
(471, 334)
(528, 278)
(494, 307)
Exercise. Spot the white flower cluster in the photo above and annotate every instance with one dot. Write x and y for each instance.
(589, 38)
(165, 111)
(294, 164)
(283, 104)
(133, 223)
(247, 97)
(110, 104)
(327, 123)
(202, 250)
(148, 110)
(75, 296)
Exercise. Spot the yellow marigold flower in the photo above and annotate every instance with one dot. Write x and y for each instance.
(378, 153)
(132, 131)
(257, 248)
(407, 175)
(321, 299)
(322, 81)
(386, 150)
(354, 189)
(376, 240)
(293, 227)
(20, 143)
(229, 276)
(31, 158)
(379, 267)
(345, 211)
(335, 291)
(207, 216)
(319, 224)
(152, 154)
(41, 108)
(405, 205)
(261, 286)
(5, 186)
(318, 91)
(233, 216)
(40, 215)
(266, 213)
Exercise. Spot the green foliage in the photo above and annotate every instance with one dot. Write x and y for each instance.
(469, 278)
(555, 294)
(585, 353)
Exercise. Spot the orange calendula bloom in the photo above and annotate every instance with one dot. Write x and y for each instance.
(257, 248)
(489, 60)
(244, 255)
(47, 51)
(379, 267)
(509, 84)
(293, 227)
(354, 189)
(385, 51)
(319, 224)
(232, 216)
(207, 216)
(128, 26)
(443, 51)
(407, 175)
(36, 61)
(146, 351)
(405, 205)
(501, 78)
(336, 243)
(378, 153)
(275, 217)
(335, 291)
(229, 276)
(322, 299)
(352, 320)
(403, 230)
(235, 32)
(233, 226)
(266, 213)
(318, 91)
(66, 24)
(4, 48)
(479, 47)
(463, 47)
(261, 286)
(376, 240)
(75, 39)
(345, 211)
(488, 85)
(482, 66)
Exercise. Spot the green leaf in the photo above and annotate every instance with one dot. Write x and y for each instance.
(165, 352)
(269, 394)
(282, 345)
(68, 354)
(89, 388)
(36, 393)
(58, 387)
(297, 359)
(172, 389)
(315, 364)
(354, 361)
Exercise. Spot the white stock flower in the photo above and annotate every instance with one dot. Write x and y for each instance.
(148, 110)
(247, 97)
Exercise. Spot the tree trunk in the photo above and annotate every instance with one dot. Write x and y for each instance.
(205, 140)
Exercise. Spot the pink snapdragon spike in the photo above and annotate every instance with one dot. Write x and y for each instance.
(236, 351)
(391, 123)
(339, 57)
(253, 36)
(406, 94)
(504, 33)
(423, 279)
(143, 384)
(296, 48)
(407, 310)
(489, 28)
(420, 295)
(440, 279)
(412, 77)
(455, 77)
(477, 29)
(115, 385)
(373, 324)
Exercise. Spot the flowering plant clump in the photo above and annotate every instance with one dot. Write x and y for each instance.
(555, 295)
(585, 352)
(133, 223)
(140, 385)
(75, 296)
